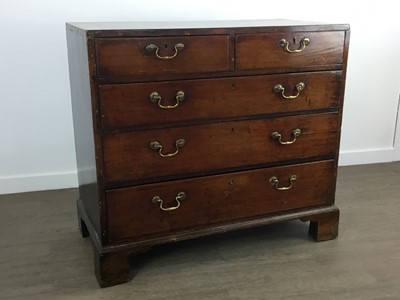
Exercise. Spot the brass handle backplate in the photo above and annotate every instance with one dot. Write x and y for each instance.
(156, 146)
(280, 89)
(275, 182)
(180, 197)
(303, 43)
(153, 48)
(156, 98)
(276, 135)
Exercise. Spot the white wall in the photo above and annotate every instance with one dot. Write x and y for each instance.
(397, 137)
(37, 148)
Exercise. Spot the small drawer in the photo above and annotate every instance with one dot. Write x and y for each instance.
(289, 51)
(172, 206)
(147, 104)
(159, 55)
(150, 155)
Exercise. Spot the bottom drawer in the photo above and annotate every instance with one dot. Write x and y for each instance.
(137, 211)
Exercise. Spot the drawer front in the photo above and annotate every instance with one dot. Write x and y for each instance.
(129, 57)
(127, 105)
(129, 157)
(265, 51)
(133, 212)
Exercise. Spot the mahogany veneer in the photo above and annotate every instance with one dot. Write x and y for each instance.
(195, 128)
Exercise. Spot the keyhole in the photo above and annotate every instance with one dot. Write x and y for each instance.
(294, 40)
(166, 46)
(233, 86)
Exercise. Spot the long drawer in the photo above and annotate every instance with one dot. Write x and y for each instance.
(152, 154)
(144, 104)
(290, 50)
(162, 55)
(176, 205)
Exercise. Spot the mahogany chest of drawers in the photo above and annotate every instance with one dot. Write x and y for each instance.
(195, 128)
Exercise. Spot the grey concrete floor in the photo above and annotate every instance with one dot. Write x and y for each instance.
(42, 255)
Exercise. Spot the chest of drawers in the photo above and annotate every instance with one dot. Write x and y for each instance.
(196, 128)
